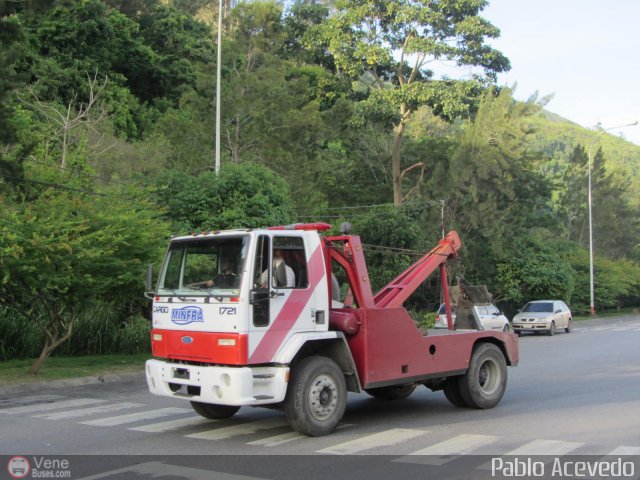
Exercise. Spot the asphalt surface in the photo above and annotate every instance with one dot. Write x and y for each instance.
(572, 395)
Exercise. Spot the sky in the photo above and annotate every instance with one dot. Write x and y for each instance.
(585, 53)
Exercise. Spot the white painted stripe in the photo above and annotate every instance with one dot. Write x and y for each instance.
(545, 447)
(173, 424)
(278, 439)
(30, 399)
(443, 452)
(242, 429)
(164, 470)
(43, 407)
(551, 448)
(135, 417)
(625, 450)
(377, 440)
(288, 437)
(85, 412)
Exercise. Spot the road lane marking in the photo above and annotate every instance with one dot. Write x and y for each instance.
(377, 440)
(135, 417)
(85, 412)
(173, 424)
(30, 399)
(278, 439)
(547, 449)
(163, 469)
(283, 438)
(625, 450)
(43, 407)
(443, 452)
(242, 429)
(555, 448)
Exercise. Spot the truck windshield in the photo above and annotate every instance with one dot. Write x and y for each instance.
(204, 266)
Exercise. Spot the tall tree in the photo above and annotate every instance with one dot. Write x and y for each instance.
(392, 46)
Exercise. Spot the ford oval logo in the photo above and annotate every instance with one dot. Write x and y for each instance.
(187, 340)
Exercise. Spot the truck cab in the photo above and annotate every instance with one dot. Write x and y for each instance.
(226, 308)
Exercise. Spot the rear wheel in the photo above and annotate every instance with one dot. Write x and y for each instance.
(394, 392)
(486, 380)
(316, 396)
(567, 329)
(552, 329)
(451, 390)
(214, 412)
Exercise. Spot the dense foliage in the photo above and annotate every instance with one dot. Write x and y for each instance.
(330, 112)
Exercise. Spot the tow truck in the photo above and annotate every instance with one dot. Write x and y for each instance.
(281, 331)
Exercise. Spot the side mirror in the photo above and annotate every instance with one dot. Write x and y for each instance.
(149, 282)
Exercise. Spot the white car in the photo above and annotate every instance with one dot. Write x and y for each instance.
(543, 316)
(491, 318)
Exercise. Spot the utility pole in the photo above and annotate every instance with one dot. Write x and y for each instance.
(218, 74)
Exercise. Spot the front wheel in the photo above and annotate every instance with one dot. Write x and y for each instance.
(552, 329)
(486, 380)
(214, 412)
(316, 396)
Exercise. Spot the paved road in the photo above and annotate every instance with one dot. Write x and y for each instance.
(573, 394)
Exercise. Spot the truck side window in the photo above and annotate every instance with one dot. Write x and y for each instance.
(289, 263)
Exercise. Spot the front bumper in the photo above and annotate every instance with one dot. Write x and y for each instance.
(220, 385)
(530, 326)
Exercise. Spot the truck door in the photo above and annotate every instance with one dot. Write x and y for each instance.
(281, 298)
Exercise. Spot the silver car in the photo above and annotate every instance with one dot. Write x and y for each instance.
(543, 316)
(491, 318)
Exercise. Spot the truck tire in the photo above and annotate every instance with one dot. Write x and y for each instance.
(214, 412)
(393, 392)
(486, 380)
(451, 389)
(316, 396)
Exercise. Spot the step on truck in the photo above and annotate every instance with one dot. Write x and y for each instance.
(259, 317)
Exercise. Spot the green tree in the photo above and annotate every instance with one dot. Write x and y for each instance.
(64, 251)
(391, 46)
(538, 267)
(492, 188)
(246, 195)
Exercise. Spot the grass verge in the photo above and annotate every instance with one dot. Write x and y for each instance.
(56, 368)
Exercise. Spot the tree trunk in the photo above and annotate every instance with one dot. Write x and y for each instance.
(396, 174)
(52, 342)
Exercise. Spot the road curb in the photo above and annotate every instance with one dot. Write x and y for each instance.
(22, 388)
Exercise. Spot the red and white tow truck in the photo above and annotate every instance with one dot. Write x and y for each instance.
(257, 317)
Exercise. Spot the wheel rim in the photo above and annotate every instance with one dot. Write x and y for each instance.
(323, 397)
(489, 376)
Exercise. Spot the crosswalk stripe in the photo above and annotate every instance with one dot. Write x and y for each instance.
(135, 417)
(173, 424)
(443, 452)
(277, 439)
(545, 447)
(242, 429)
(43, 407)
(85, 412)
(377, 440)
(551, 448)
(30, 399)
(167, 470)
(283, 438)
(625, 450)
